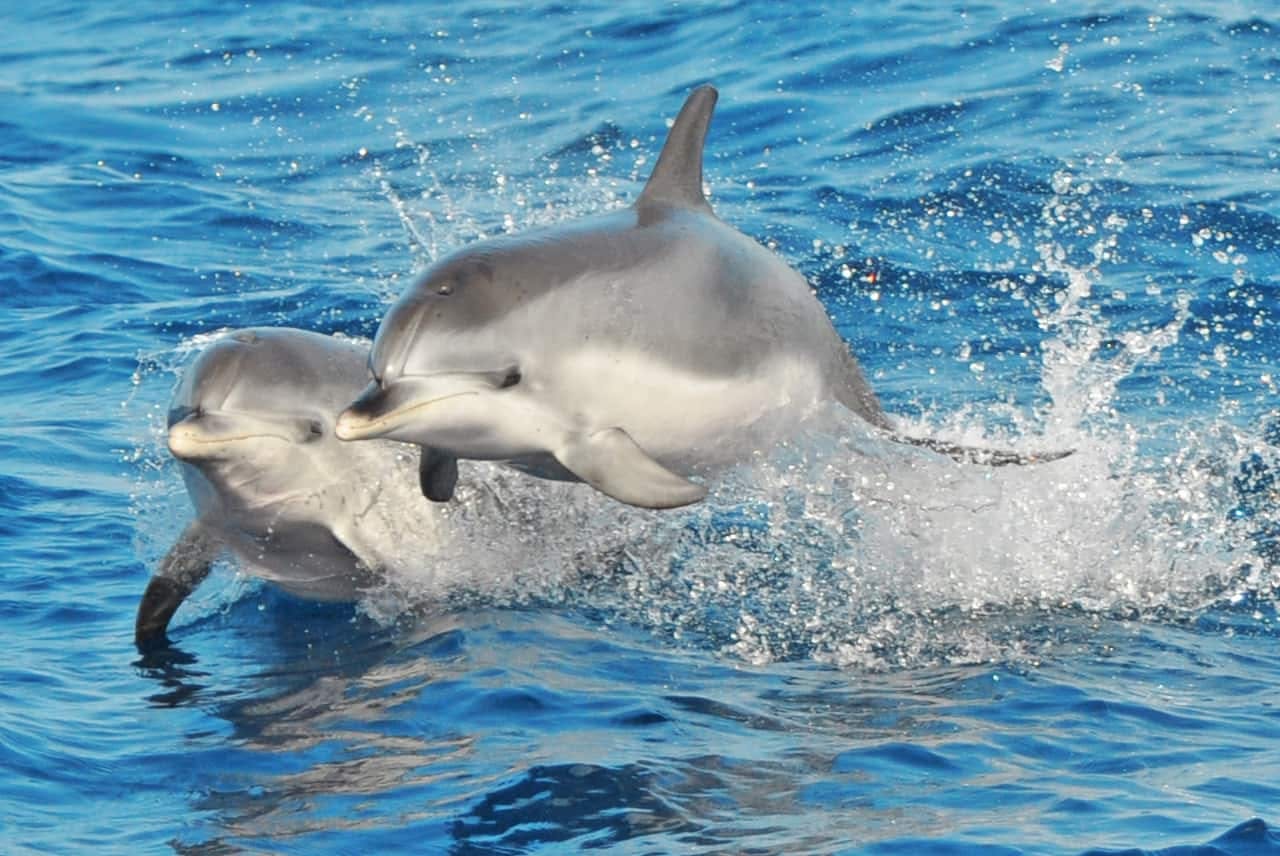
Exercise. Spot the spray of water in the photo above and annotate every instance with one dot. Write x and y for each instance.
(846, 547)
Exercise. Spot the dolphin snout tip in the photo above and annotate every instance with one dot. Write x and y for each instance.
(361, 420)
(350, 426)
(179, 441)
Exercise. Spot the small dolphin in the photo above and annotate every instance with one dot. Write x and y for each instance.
(252, 425)
(626, 350)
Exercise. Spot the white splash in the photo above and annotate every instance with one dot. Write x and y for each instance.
(844, 546)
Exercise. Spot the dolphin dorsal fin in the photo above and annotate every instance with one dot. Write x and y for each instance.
(677, 178)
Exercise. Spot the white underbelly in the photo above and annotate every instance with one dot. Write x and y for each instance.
(322, 526)
(305, 559)
(684, 418)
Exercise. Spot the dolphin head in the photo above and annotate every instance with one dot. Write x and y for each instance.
(200, 434)
(252, 418)
(244, 391)
(459, 361)
(437, 357)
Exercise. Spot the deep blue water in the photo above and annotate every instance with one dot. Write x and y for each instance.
(1056, 225)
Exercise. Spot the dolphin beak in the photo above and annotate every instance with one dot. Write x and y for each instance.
(366, 416)
(186, 440)
(202, 436)
(383, 411)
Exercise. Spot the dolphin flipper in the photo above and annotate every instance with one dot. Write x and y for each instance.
(612, 463)
(183, 568)
(984, 457)
(437, 475)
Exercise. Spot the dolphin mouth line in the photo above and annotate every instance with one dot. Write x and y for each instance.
(398, 416)
(219, 441)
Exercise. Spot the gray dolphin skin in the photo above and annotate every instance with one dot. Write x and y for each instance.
(628, 350)
(252, 424)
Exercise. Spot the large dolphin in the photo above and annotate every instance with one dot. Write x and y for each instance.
(252, 424)
(626, 350)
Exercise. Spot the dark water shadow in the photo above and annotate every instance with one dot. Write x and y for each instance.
(592, 806)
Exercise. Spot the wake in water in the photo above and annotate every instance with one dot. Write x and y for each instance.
(843, 546)
(847, 548)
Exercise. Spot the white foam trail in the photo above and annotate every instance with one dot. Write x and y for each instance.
(843, 546)
(848, 548)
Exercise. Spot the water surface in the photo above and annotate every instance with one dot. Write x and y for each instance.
(1048, 227)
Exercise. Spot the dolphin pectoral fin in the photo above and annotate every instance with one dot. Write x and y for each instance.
(984, 457)
(437, 475)
(159, 602)
(612, 463)
(183, 568)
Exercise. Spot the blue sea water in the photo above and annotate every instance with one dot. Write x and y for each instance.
(1048, 225)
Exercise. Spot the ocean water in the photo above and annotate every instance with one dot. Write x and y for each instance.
(1044, 225)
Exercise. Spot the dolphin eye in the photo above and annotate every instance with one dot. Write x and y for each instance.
(315, 428)
(511, 379)
(444, 289)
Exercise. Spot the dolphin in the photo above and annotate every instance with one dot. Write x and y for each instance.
(251, 424)
(629, 350)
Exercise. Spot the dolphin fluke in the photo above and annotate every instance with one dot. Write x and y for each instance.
(613, 463)
(183, 569)
(984, 457)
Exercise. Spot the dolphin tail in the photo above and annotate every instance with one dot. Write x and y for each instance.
(614, 464)
(183, 568)
(984, 457)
